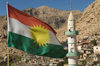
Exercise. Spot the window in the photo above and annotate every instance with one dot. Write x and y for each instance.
(71, 49)
(69, 30)
(97, 48)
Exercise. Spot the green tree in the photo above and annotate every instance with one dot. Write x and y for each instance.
(60, 64)
(83, 62)
(94, 42)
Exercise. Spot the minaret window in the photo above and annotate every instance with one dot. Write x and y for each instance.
(71, 27)
(96, 48)
(71, 49)
(69, 30)
(71, 37)
(71, 44)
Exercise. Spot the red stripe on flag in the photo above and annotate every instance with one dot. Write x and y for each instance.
(26, 19)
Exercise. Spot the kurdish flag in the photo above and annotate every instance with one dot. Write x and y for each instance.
(31, 35)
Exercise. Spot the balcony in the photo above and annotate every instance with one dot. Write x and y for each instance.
(73, 54)
(71, 33)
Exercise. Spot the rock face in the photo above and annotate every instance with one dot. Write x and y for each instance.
(54, 17)
(3, 35)
(89, 23)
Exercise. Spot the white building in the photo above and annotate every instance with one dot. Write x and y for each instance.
(79, 49)
(55, 61)
(96, 50)
(96, 58)
(84, 50)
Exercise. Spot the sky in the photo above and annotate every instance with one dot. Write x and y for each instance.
(58, 4)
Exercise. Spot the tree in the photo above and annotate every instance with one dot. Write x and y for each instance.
(60, 64)
(94, 42)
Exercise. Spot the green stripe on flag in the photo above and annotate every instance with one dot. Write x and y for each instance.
(26, 44)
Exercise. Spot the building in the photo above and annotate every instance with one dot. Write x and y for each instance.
(55, 61)
(96, 58)
(96, 50)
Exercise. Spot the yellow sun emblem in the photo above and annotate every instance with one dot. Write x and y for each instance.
(40, 35)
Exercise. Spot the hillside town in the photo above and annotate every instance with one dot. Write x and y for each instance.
(89, 56)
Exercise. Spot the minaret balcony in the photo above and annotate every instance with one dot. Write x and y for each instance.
(73, 54)
(71, 33)
(71, 42)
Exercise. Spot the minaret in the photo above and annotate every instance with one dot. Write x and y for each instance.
(71, 34)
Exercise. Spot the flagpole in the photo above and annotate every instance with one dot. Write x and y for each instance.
(7, 36)
(7, 56)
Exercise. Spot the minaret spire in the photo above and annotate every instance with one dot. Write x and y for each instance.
(71, 15)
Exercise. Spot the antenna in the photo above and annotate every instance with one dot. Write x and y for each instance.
(70, 5)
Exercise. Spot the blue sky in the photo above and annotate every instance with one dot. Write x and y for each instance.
(58, 4)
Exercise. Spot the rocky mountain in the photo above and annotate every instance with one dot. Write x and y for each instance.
(54, 17)
(89, 23)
